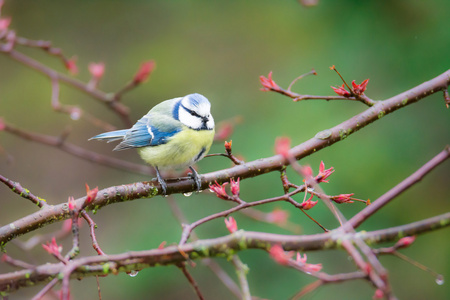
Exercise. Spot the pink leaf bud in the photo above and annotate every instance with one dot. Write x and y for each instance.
(341, 91)
(144, 71)
(228, 146)
(379, 294)
(90, 194)
(310, 268)
(220, 190)
(71, 65)
(162, 245)
(267, 83)
(307, 171)
(4, 23)
(343, 198)
(231, 224)
(279, 255)
(52, 247)
(282, 146)
(308, 204)
(224, 131)
(324, 174)
(359, 89)
(97, 69)
(71, 204)
(278, 216)
(405, 242)
(234, 185)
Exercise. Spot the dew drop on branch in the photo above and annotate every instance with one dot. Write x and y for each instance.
(133, 273)
(440, 279)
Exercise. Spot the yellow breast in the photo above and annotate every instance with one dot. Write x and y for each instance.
(183, 149)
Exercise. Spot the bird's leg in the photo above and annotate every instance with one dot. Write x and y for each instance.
(194, 175)
(161, 181)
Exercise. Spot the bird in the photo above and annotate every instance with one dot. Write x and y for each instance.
(175, 133)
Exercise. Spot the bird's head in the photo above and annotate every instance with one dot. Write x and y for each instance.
(195, 112)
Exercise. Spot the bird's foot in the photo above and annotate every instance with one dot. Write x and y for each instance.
(196, 177)
(161, 182)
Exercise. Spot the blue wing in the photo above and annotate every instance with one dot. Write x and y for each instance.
(144, 133)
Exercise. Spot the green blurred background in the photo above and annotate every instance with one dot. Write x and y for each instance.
(219, 49)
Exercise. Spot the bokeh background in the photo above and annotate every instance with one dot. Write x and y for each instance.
(219, 49)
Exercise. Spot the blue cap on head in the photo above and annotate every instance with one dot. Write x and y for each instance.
(197, 99)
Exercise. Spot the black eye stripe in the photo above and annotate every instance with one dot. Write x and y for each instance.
(193, 113)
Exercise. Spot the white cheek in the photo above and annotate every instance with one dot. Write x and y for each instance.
(210, 123)
(189, 120)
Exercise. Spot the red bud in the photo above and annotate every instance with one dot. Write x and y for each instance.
(144, 71)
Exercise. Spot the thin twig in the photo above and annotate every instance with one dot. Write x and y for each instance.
(191, 280)
(215, 268)
(15, 262)
(92, 227)
(241, 270)
(121, 110)
(17, 188)
(46, 289)
(77, 151)
(368, 211)
(187, 229)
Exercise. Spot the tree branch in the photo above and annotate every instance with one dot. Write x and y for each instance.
(368, 211)
(116, 106)
(60, 143)
(227, 245)
(148, 189)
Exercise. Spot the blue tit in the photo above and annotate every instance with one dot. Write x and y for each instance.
(176, 133)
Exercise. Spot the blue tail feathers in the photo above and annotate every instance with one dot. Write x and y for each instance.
(111, 136)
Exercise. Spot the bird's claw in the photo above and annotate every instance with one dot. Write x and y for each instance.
(194, 175)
